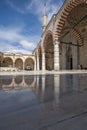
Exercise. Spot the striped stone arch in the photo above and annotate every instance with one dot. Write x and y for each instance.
(67, 9)
(46, 37)
(77, 35)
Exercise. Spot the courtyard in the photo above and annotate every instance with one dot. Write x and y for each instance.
(43, 102)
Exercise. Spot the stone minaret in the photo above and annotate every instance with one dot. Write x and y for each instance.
(44, 19)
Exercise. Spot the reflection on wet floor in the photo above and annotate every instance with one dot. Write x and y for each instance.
(26, 101)
(58, 83)
(46, 87)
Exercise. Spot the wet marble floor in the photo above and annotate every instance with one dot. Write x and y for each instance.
(43, 102)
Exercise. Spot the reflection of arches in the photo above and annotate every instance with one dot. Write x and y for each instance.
(49, 51)
(18, 82)
(19, 63)
(65, 13)
(29, 64)
(7, 62)
(7, 80)
(18, 79)
(29, 79)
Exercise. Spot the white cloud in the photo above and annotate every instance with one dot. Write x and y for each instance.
(13, 39)
(37, 7)
(16, 8)
(10, 33)
(27, 44)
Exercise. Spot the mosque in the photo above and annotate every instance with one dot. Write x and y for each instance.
(63, 43)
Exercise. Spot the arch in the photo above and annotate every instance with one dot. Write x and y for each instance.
(7, 80)
(7, 62)
(18, 79)
(29, 79)
(29, 64)
(78, 36)
(49, 51)
(47, 34)
(1, 58)
(19, 63)
(67, 9)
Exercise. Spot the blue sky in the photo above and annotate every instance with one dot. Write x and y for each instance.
(21, 23)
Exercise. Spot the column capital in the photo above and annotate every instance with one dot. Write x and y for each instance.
(56, 42)
(43, 52)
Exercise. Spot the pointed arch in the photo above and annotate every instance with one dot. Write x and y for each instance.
(47, 35)
(65, 12)
(77, 35)
(49, 50)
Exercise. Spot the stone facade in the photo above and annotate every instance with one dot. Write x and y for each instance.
(63, 43)
(67, 29)
(19, 61)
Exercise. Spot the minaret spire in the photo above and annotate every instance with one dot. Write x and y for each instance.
(44, 18)
(45, 9)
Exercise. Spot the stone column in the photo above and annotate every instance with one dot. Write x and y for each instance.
(13, 64)
(35, 65)
(43, 61)
(64, 56)
(23, 65)
(56, 56)
(38, 68)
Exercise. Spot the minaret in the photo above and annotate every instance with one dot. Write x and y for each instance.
(44, 19)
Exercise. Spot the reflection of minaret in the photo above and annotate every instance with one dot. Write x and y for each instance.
(44, 19)
(56, 87)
